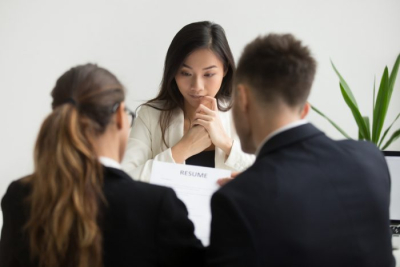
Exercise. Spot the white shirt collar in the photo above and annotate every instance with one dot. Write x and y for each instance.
(108, 162)
(280, 130)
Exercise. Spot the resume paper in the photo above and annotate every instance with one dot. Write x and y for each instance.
(193, 185)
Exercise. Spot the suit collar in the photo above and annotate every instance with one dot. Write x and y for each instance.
(111, 172)
(109, 162)
(289, 137)
(280, 130)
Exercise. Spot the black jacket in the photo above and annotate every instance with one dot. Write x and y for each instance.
(143, 225)
(307, 201)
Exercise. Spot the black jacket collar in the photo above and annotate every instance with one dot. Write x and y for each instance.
(289, 137)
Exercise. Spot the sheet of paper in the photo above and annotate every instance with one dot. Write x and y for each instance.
(194, 186)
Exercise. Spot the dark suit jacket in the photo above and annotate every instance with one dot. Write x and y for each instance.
(143, 225)
(306, 201)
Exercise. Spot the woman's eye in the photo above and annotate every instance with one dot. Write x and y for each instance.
(209, 74)
(184, 73)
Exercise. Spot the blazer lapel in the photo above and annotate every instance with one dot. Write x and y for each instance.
(175, 129)
(289, 137)
(220, 156)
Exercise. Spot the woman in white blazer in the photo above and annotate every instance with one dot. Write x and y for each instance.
(189, 121)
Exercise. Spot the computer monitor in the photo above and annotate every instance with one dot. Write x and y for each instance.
(393, 161)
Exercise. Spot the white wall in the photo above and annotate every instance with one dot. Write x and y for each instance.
(39, 40)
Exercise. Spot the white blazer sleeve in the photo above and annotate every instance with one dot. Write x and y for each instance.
(237, 160)
(138, 159)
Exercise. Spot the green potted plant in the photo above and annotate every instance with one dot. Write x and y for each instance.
(380, 106)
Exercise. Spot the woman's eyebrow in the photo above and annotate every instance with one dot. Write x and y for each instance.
(210, 67)
(207, 68)
(186, 66)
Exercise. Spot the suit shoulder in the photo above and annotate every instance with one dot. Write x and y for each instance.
(148, 113)
(153, 109)
(16, 191)
(250, 178)
(360, 147)
(120, 182)
(150, 108)
(357, 143)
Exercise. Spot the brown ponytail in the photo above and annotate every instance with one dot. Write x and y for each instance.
(63, 227)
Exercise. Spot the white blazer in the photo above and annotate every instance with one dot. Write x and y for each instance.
(145, 144)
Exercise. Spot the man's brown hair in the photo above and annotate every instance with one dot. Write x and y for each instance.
(277, 66)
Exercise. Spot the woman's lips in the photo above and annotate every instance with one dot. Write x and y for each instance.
(197, 96)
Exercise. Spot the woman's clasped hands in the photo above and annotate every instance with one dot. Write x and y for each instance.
(207, 116)
(205, 130)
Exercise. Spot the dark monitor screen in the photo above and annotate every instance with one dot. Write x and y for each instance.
(393, 161)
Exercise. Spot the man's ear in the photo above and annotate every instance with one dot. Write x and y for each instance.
(119, 116)
(242, 97)
(305, 110)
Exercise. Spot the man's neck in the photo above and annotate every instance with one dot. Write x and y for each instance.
(270, 120)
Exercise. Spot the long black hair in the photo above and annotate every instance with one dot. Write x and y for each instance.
(193, 36)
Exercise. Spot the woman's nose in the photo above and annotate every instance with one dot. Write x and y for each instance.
(197, 84)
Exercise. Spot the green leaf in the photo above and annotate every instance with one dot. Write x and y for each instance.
(373, 96)
(393, 76)
(366, 121)
(345, 86)
(334, 124)
(387, 130)
(356, 114)
(381, 106)
(391, 82)
(395, 135)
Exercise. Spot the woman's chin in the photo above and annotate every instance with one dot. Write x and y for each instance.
(193, 102)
